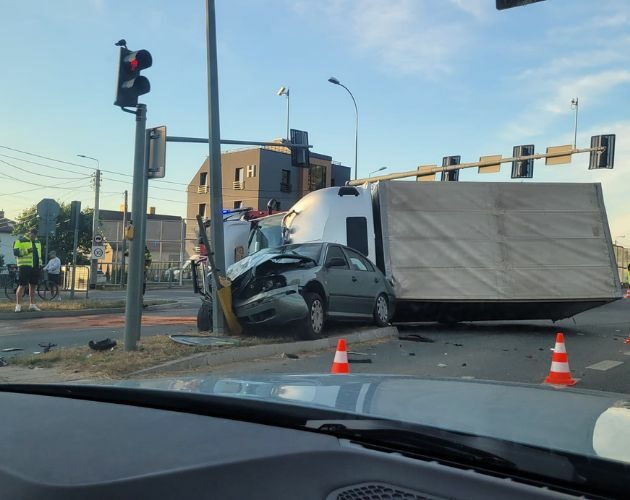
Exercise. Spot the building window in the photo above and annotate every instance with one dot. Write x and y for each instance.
(238, 174)
(202, 209)
(285, 181)
(251, 170)
(203, 178)
(316, 177)
(238, 204)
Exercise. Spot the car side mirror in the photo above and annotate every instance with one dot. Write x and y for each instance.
(336, 262)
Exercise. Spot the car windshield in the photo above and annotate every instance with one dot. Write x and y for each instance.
(266, 233)
(457, 172)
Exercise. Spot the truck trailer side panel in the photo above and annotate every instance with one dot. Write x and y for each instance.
(473, 251)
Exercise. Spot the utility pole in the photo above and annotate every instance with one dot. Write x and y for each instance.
(76, 214)
(124, 240)
(133, 311)
(95, 225)
(214, 146)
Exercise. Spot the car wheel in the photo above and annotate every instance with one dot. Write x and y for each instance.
(316, 317)
(381, 310)
(204, 317)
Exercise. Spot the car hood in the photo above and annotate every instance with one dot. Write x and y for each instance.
(576, 421)
(242, 266)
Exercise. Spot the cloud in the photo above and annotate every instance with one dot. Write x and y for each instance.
(404, 36)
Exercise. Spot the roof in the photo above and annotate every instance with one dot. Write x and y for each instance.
(6, 225)
(115, 215)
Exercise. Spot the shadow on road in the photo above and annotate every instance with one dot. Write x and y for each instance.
(485, 328)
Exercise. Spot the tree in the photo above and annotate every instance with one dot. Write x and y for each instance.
(63, 240)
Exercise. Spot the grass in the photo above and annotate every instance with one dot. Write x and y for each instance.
(75, 305)
(117, 363)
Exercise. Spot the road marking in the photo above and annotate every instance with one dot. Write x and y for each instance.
(605, 365)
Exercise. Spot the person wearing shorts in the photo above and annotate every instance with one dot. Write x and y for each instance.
(27, 251)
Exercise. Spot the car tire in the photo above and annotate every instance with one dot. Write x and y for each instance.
(204, 318)
(316, 317)
(381, 310)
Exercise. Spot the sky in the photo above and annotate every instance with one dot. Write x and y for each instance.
(431, 78)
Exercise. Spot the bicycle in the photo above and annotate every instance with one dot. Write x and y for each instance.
(46, 289)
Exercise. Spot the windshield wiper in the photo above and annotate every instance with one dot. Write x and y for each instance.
(418, 440)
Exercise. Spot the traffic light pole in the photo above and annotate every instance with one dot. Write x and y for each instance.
(95, 225)
(477, 164)
(214, 146)
(133, 310)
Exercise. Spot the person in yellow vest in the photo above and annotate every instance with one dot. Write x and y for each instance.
(27, 251)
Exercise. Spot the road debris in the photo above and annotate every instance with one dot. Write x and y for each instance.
(442, 365)
(414, 337)
(204, 340)
(362, 360)
(102, 345)
(288, 355)
(3, 362)
(47, 347)
(12, 349)
(362, 353)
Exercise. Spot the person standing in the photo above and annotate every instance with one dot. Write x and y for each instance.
(53, 268)
(148, 259)
(27, 251)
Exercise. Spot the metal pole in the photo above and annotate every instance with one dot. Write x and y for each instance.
(74, 252)
(45, 256)
(181, 254)
(216, 195)
(143, 228)
(288, 106)
(124, 241)
(95, 224)
(133, 311)
(576, 124)
(356, 130)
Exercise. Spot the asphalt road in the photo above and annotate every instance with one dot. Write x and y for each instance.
(514, 351)
(507, 351)
(28, 334)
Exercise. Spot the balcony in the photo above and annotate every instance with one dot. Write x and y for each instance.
(202, 189)
(285, 187)
(238, 185)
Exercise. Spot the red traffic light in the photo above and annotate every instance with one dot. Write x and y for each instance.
(139, 60)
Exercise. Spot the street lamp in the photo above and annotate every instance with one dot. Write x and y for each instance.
(334, 81)
(285, 91)
(95, 224)
(377, 170)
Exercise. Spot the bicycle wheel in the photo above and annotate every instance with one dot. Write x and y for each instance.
(10, 289)
(47, 290)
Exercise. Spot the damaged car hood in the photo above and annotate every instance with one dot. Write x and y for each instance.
(242, 266)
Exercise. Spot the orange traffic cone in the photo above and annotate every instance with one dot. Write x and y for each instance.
(340, 363)
(560, 373)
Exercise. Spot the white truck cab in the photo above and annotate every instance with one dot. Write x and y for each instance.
(336, 214)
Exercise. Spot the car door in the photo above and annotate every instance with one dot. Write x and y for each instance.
(338, 281)
(367, 281)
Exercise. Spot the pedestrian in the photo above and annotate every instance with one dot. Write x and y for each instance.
(148, 259)
(53, 268)
(27, 251)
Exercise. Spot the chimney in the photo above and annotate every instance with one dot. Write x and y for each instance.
(151, 210)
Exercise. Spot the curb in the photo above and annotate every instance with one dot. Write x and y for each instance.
(81, 312)
(248, 353)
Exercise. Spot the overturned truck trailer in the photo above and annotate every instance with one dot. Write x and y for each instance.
(471, 251)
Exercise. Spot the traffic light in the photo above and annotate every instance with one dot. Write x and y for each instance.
(606, 158)
(523, 169)
(452, 175)
(300, 157)
(130, 84)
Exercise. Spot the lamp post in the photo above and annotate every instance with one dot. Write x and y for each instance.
(574, 105)
(375, 171)
(95, 223)
(334, 81)
(285, 91)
